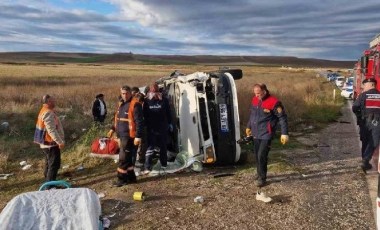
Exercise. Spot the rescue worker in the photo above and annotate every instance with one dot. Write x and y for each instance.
(139, 155)
(266, 112)
(135, 90)
(99, 108)
(367, 108)
(158, 122)
(128, 126)
(50, 136)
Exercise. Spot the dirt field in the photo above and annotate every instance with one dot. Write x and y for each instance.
(307, 177)
(326, 190)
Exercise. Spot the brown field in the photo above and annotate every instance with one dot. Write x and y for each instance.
(307, 100)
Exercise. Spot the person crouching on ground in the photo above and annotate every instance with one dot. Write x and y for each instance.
(50, 136)
(128, 126)
(266, 112)
(158, 122)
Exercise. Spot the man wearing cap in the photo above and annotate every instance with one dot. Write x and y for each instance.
(50, 136)
(266, 112)
(367, 108)
(99, 108)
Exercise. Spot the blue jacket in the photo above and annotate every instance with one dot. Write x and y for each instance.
(157, 115)
(264, 116)
(367, 109)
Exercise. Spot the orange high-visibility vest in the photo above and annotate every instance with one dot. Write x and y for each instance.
(41, 136)
(130, 119)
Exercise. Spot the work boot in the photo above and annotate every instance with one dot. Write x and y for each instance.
(366, 165)
(132, 176)
(119, 183)
(260, 182)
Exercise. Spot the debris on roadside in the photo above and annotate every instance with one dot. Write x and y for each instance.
(65, 166)
(80, 168)
(5, 176)
(199, 199)
(26, 167)
(106, 223)
(223, 174)
(4, 126)
(101, 195)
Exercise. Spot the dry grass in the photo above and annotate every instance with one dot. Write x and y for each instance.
(74, 87)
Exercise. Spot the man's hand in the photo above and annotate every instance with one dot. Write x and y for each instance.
(61, 146)
(137, 141)
(248, 132)
(284, 139)
(110, 133)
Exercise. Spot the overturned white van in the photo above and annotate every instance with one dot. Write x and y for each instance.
(205, 112)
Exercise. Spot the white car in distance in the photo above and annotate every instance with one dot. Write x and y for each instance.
(339, 81)
(348, 92)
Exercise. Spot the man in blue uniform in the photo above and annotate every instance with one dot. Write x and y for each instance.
(367, 108)
(266, 112)
(158, 122)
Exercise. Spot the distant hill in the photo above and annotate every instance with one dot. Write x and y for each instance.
(56, 57)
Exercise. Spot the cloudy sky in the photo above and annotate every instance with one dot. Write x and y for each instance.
(328, 29)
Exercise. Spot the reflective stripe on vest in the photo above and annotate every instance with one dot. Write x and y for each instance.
(130, 119)
(122, 119)
(41, 136)
(372, 101)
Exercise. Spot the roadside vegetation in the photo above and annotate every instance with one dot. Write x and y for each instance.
(307, 100)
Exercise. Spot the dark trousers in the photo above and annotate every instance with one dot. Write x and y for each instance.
(159, 140)
(100, 118)
(141, 149)
(372, 133)
(261, 150)
(52, 162)
(125, 157)
(363, 133)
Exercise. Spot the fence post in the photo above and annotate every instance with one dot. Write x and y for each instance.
(334, 94)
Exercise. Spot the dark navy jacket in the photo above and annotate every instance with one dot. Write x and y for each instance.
(122, 126)
(367, 107)
(264, 116)
(157, 115)
(367, 104)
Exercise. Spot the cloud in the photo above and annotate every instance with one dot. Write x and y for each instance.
(301, 28)
(320, 29)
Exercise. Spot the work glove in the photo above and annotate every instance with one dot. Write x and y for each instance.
(284, 139)
(137, 141)
(171, 128)
(248, 132)
(110, 133)
(61, 146)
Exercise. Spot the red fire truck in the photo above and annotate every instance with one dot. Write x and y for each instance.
(368, 66)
